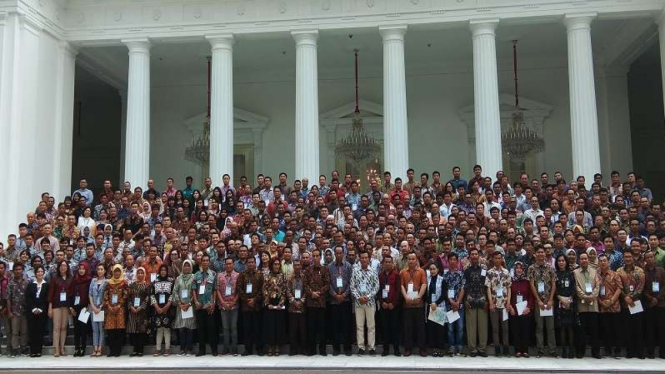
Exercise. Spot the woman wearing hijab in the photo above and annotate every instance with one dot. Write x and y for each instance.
(161, 298)
(36, 296)
(593, 257)
(274, 296)
(182, 298)
(115, 297)
(564, 307)
(137, 302)
(437, 292)
(96, 299)
(80, 301)
(520, 292)
(60, 298)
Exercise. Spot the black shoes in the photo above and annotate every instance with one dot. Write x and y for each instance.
(361, 352)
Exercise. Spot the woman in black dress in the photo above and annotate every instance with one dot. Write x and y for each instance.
(36, 297)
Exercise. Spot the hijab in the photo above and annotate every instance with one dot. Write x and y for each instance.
(519, 277)
(85, 278)
(114, 281)
(136, 273)
(187, 278)
(159, 273)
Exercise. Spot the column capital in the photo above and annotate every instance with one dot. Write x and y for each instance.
(392, 32)
(483, 26)
(660, 19)
(137, 45)
(578, 21)
(305, 37)
(68, 49)
(221, 41)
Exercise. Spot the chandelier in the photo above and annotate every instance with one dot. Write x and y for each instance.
(199, 150)
(358, 145)
(519, 140)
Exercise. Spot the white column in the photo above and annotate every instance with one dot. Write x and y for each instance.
(395, 125)
(486, 97)
(137, 136)
(307, 105)
(221, 108)
(123, 136)
(64, 122)
(583, 113)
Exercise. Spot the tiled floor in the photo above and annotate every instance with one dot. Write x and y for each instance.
(340, 362)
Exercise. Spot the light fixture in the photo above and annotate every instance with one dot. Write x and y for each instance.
(199, 150)
(358, 145)
(519, 140)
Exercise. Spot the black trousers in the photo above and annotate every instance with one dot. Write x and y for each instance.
(520, 328)
(633, 333)
(186, 340)
(297, 332)
(81, 331)
(115, 340)
(36, 328)
(655, 330)
(341, 316)
(138, 340)
(414, 323)
(588, 334)
(316, 326)
(206, 330)
(251, 330)
(609, 323)
(436, 335)
(273, 326)
(390, 327)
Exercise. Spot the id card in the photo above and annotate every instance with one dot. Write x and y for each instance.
(655, 287)
(297, 293)
(63, 297)
(519, 298)
(384, 294)
(202, 289)
(499, 292)
(153, 277)
(137, 302)
(483, 272)
(588, 288)
(228, 291)
(541, 287)
(363, 289)
(602, 291)
(339, 282)
(451, 294)
(77, 300)
(184, 294)
(409, 287)
(114, 299)
(162, 299)
(249, 288)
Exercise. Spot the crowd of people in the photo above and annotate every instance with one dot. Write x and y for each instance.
(422, 267)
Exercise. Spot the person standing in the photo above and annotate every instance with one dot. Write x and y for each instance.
(80, 301)
(203, 290)
(16, 306)
(340, 305)
(296, 310)
(36, 306)
(609, 293)
(227, 298)
(632, 282)
(475, 302)
(498, 295)
(389, 285)
(364, 286)
(274, 298)
(60, 299)
(161, 299)
(565, 310)
(543, 286)
(185, 323)
(520, 292)
(654, 299)
(96, 302)
(317, 283)
(436, 299)
(413, 287)
(455, 282)
(250, 289)
(115, 297)
(587, 289)
(138, 301)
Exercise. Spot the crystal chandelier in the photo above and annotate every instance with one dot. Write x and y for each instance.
(358, 145)
(519, 140)
(199, 150)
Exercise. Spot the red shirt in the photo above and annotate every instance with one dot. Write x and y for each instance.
(393, 281)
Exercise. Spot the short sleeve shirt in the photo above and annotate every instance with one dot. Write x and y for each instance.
(545, 274)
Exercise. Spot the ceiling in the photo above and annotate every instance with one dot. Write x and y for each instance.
(435, 46)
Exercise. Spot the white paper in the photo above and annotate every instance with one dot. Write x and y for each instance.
(547, 312)
(98, 317)
(186, 314)
(84, 315)
(504, 314)
(521, 306)
(437, 316)
(153, 277)
(637, 308)
(452, 316)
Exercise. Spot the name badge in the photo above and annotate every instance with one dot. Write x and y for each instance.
(153, 277)
(602, 291)
(631, 288)
(339, 282)
(451, 294)
(162, 299)
(541, 287)
(228, 291)
(566, 283)
(114, 299)
(297, 293)
(445, 271)
(249, 288)
(354, 206)
(363, 289)
(409, 288)
(588, 288)
(483, 272)
(77, 300)
(202, 289)
(184, 294)
(655, 287)
(519, 298)
(499, 292)
(433, 298)
(384, 293)
(512, 272)
(63, 297)
(137, 302)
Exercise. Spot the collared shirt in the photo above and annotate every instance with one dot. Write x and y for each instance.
(255, 279)
(317, 279)
(227, 285)
(296, 284)
(207, 279)
(474, 285)
(392, 292)
(85, 193)
(340, 274)
(632, 283)
(16, 295)
(364, 282)
(545, 274)
(498, 282)
(587, 283)
(609, 283)
(417, 278)
(655, 281)
(616, 259)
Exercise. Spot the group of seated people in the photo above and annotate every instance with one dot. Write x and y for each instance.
(549, 267)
